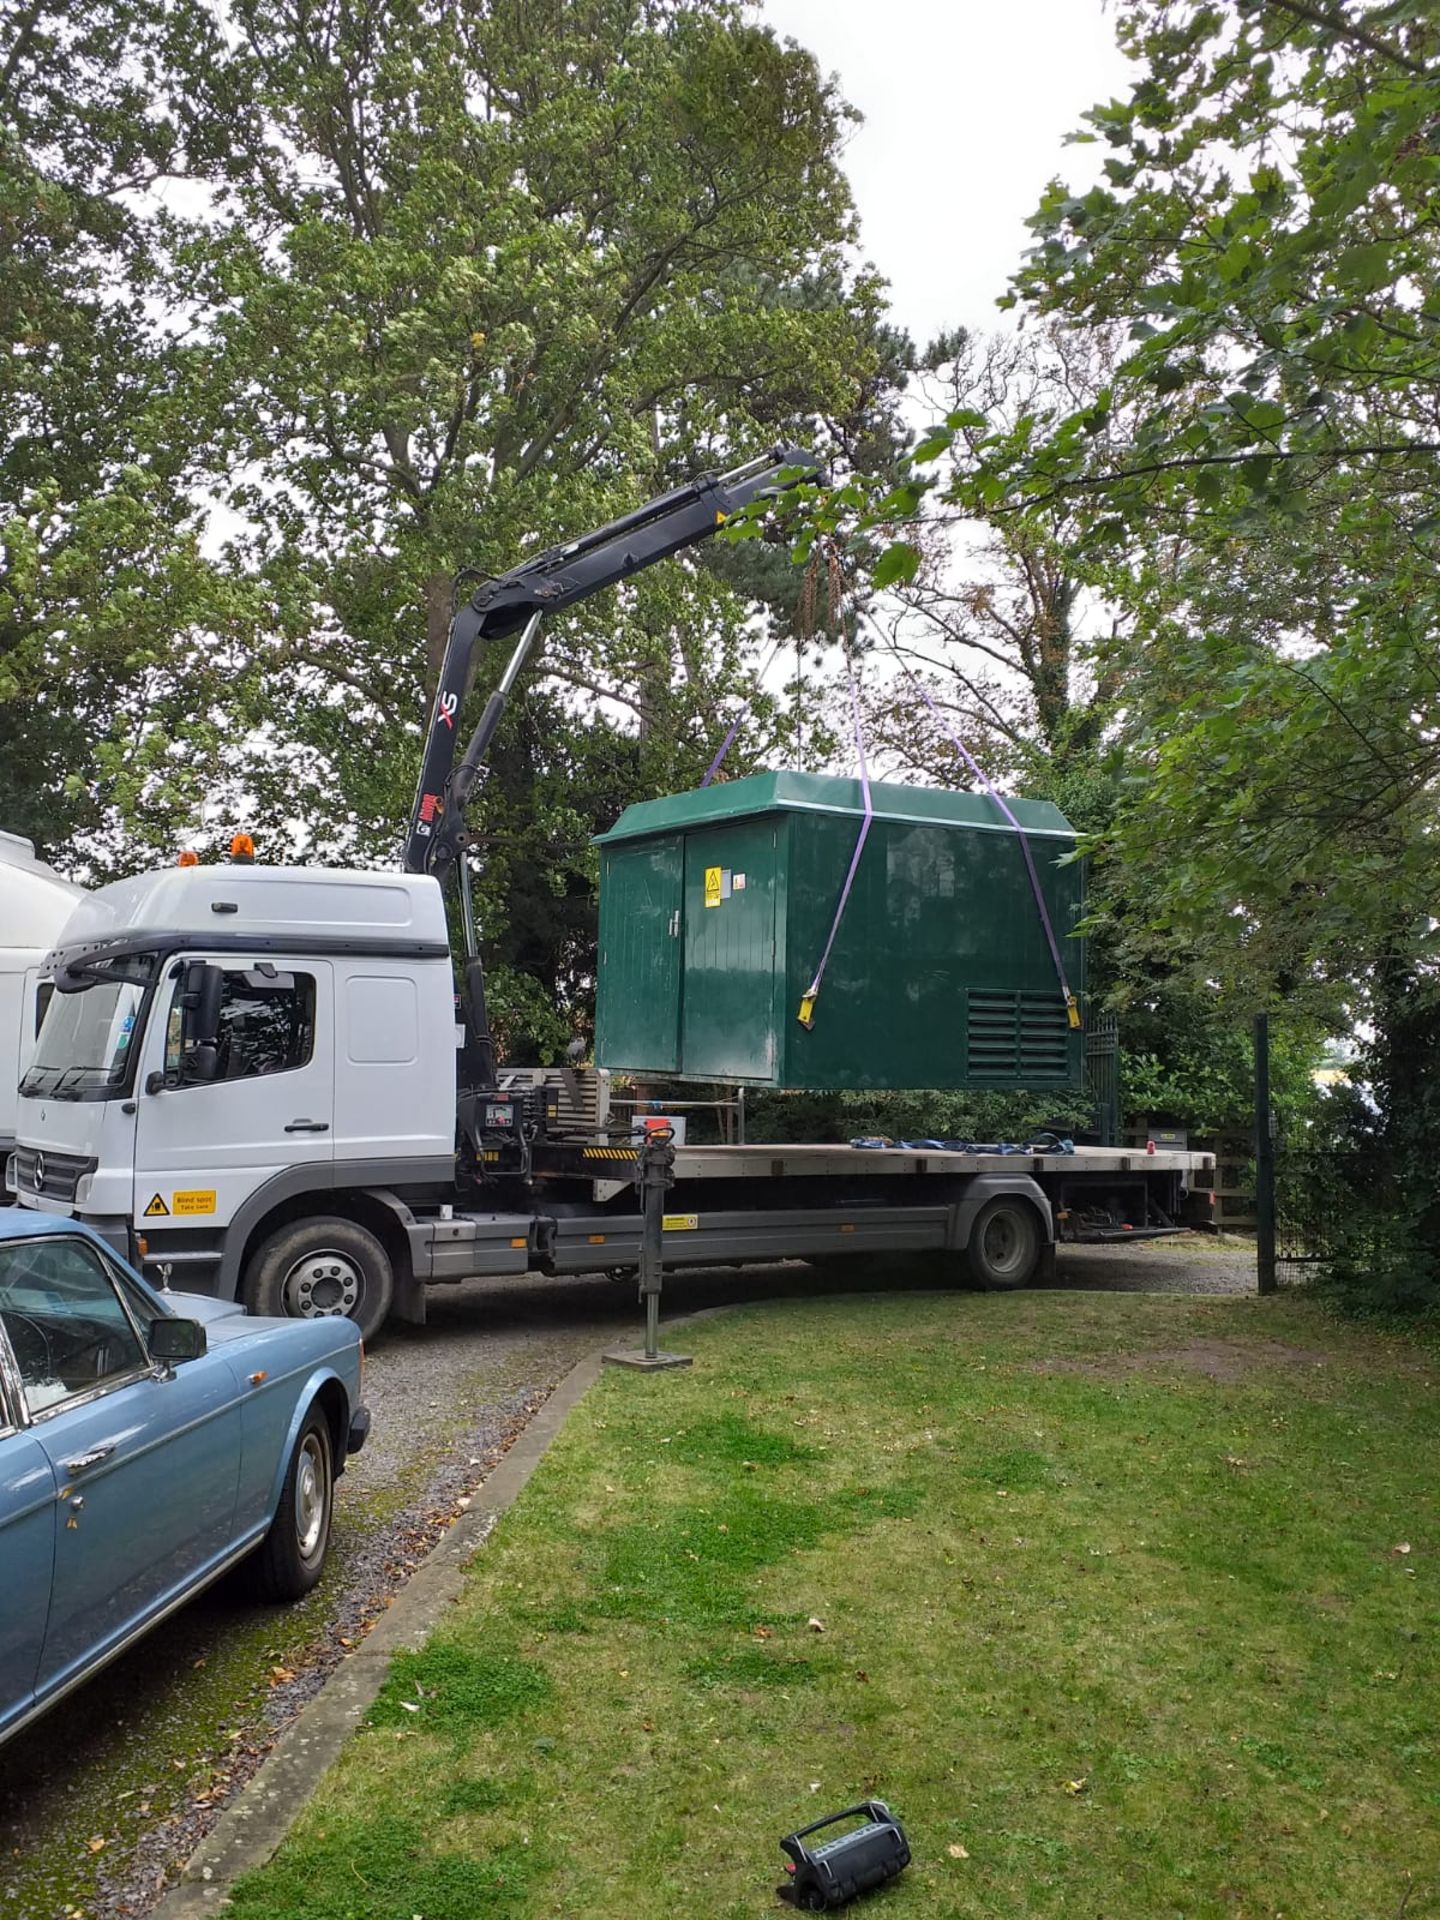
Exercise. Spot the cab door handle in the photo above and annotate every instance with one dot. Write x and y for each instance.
(308, 1126)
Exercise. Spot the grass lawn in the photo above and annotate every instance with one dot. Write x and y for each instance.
(1128, 1603)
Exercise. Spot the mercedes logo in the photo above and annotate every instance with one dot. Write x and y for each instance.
(37, 1178)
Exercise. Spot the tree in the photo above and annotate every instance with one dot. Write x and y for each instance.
(1002, 622)
(101, 579)
(1264, 236)
(479, 280)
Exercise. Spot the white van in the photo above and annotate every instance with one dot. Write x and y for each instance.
(35, 903)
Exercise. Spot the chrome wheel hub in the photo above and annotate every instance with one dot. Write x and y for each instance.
(309, 1496)
(322, 1286)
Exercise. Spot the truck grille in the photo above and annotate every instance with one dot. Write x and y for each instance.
(49, 1175)
(1017, 1036)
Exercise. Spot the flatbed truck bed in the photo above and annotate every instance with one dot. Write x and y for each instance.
(737, 1204)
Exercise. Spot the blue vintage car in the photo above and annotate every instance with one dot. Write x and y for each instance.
(148, 1441)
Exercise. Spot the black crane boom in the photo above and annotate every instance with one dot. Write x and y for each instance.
(516, 603)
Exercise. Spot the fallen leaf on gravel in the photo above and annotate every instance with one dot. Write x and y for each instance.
(96, 1844)
(279, 1675)
(957, 1852)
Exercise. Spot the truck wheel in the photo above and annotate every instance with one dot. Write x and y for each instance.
(320, 1269)
(1004, 1246)
(290, 1559)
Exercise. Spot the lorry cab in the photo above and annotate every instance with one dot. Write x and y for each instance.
(223, 1042)
(35, 903)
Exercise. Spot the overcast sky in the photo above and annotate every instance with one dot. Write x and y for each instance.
(966, 104)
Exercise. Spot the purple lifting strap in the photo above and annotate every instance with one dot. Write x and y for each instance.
(807, 1004)
(741, 717)
(999, 799)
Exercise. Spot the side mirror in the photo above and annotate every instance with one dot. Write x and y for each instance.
(202, 990)
(176, 1339)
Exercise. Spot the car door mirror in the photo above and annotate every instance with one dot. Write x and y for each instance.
(172, 1339)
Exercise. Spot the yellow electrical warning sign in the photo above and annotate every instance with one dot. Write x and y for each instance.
(680, 1222)
(156, 1207)
(712, 886)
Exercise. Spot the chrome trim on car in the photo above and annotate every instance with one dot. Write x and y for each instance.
(89, 1395)
(14, 1414)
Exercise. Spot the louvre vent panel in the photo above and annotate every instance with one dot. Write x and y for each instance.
(1017, 1036)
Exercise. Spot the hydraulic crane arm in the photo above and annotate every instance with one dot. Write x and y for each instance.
(517, 602)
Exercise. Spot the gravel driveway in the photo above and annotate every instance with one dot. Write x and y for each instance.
(107, 1795)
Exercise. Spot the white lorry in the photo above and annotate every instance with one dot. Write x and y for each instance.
(35, 903)
(252, 1079)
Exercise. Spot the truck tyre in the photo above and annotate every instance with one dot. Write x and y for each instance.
(290, 1559)
(316, 1269)
(1005, 1245)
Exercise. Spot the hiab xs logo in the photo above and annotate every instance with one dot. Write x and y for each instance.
(445, 705)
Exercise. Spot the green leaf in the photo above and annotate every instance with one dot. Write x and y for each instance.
(937, 441)
(898, 564)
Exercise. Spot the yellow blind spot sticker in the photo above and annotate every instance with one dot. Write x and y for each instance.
(197, 1200)
(712, 886)
(156, 1207)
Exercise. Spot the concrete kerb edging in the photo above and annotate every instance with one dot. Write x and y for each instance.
(258, 1819)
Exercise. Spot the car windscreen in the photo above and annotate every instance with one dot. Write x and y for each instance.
(87, 1041)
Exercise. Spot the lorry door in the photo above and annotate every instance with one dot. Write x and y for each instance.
(202, 1149)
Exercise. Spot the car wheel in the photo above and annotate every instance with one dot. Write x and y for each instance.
(1004, 1246)
(320, 1269)
(291, 1557)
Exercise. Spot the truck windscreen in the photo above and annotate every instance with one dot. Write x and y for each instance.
(88, 1040)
